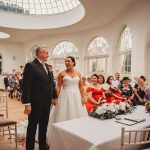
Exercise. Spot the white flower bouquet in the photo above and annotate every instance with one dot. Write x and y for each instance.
(110, 110)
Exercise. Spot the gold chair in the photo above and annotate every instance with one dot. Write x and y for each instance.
(3, 107)
(134, 137)
(4, 121)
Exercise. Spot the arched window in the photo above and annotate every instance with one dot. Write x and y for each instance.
(124, 53)
(60, 52)
(97, 57)
(32, 54)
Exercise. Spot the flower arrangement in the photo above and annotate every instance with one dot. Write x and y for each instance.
(110, 110)
(147, 106)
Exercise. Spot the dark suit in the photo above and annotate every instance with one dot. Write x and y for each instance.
(6, 82)
(38, 89)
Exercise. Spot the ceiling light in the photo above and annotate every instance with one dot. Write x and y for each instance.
(4, 35)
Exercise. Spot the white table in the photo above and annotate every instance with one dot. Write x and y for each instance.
(88, 133)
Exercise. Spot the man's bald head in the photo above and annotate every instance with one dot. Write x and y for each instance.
(42, 53)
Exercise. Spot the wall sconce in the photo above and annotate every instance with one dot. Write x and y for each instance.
(14, 57)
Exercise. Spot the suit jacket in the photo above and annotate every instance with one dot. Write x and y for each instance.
(6, 81)
(38, 87)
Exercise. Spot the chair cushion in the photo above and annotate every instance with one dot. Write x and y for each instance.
(1, 115)
(7, 122)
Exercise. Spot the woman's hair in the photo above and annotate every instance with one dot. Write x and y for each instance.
(100, 75)
(126, 78)
(72, 59)
(108, 79)
(95, 75)
(142, 77)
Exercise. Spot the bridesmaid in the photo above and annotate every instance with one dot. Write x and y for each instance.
(95, 93)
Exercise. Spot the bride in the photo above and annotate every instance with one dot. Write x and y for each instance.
(70, 92)
(70, 95)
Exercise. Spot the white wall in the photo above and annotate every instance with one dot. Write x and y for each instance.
(137, 18)
(12, 56)
(52, 41)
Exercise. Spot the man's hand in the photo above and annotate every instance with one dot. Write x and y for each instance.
(27, 109)
(55, 101)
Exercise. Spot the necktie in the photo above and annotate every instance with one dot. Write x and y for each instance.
(43, 64)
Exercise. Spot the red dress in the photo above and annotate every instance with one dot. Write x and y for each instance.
(110, 98)
(96, 94)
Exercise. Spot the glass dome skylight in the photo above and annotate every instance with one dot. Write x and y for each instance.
(38, 7)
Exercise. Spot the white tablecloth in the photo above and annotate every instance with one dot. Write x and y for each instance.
(88, 133)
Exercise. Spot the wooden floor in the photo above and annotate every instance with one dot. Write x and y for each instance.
(15, 112)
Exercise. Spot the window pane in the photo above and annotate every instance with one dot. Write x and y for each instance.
(32, 54)
(92, 66)
(101, 65)
(125, 64)
(126, 40)
(64, 49)
(98, 46)
(59, 65)
(29, 6)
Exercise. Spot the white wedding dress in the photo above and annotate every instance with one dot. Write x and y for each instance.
(69, 103)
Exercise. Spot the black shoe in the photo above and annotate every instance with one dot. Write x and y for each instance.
(46, 147)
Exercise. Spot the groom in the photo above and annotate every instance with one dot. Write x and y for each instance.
(38, 95)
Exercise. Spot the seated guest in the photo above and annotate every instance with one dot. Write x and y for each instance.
(95, 92)
(113, 93)
(117, 78)
(101, 79)
(143, 86)
(88, 80)
(6, 82)
(127, 90)
(140, 93)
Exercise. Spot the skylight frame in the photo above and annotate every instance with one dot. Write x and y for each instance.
(38, 7)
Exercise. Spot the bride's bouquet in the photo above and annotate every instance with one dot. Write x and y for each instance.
(110, 110)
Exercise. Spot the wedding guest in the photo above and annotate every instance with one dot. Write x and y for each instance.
(101, 79)
(88, 80)
(21, 69)
(113, 93)
(143, 86)
(127, 90)
(95, 93)
(140, 93)
(6, 82)
(50, 67)
(117, 78)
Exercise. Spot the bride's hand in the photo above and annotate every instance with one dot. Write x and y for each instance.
(55, 102)
(82, 101)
